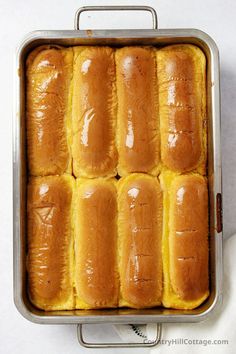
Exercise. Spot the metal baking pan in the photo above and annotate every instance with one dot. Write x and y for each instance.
(155, 37)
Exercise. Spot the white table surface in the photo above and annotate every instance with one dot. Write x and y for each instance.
(217, 18)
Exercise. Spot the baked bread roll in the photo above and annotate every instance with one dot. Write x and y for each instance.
(98, 108)
(181, 73)
(139, 239)
(137, 124)
(49, 72)
(96, 275)
(185, 240)
(50, 260)
(94, 112)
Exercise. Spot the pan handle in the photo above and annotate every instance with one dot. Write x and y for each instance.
(146, 344)
(116, 8)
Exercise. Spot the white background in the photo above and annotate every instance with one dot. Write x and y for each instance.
(218, 19)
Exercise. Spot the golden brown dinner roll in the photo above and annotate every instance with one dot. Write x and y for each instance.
(139, 239)
(137, 124)
(96, 275)
(49, 72)
(94, 112)
(181, 73)
(50, 261)
(185, 240)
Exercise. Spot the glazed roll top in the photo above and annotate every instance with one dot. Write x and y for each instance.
(181, 72)
(140, 230)
(49, 72)
(94, 112)
(96, 275)
(186, 242)
(50, 242)
(137, 133)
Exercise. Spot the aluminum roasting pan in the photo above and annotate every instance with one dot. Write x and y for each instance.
(156, 37)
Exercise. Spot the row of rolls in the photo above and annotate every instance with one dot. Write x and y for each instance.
(98, 111)
(140, 241)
